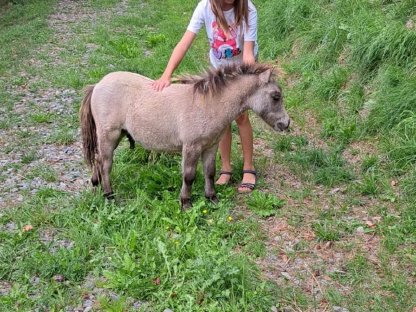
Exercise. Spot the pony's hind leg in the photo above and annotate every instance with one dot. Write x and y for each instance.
(208, 161)
(107, 143)
(190, 157)
(96, 177)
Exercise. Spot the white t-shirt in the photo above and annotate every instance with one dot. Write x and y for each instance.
(225, 48)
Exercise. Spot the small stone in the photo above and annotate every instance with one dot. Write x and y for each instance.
(5, 288)
(11, 226)
(340, 309)
(34, 280)
(167, 310)
(65, 243)
(360, 230)
(89, 283)
(24, 186)
(286, 275)
(58, 278)
(147, 53)
(137, 305)
(88, 303)
(114, 296)
(334, 191)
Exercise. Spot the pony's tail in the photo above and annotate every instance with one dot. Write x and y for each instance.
(88, 128)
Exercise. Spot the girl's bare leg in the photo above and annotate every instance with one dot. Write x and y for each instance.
(225, 152)
(246, 137)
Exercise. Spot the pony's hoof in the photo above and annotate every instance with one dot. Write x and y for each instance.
(213, 199)
(109, 196)
(186, 204)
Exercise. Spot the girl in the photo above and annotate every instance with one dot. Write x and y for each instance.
(231, 27)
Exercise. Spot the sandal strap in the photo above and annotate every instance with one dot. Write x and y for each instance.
(253, 172)
(250, 186)
(226, 172)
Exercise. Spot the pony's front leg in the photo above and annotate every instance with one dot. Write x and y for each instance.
(208, 161)
(190, 156)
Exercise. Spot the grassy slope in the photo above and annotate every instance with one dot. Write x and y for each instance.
(350, 81)
(351, 65)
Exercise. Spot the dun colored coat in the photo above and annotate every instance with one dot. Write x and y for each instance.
(187, 117)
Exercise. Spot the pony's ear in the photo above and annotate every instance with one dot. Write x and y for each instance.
(265, 76)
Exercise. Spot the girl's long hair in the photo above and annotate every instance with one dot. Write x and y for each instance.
(240, 10)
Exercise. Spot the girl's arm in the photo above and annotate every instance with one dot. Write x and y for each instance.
(248, 52)
(175, 59)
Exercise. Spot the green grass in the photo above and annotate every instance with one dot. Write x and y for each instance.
(63, 137)
(289, 143)
(319, 166)
(24, 27)
(131, 244)
(350, 80)
(263, 204)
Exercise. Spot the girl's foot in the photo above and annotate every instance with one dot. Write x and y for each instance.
(225, 177)
(249, 181)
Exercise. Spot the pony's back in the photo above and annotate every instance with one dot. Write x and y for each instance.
(154, 118)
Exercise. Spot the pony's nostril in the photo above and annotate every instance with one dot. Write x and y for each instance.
(282, 126)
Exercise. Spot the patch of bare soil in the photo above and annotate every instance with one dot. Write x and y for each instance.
(357, 151)
(295, 256)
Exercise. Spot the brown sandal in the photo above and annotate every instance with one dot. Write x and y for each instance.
(249, 186)
(229, 173)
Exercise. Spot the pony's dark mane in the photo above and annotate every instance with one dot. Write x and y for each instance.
(214, 81)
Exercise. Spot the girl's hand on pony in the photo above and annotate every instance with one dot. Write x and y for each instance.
(161, 83)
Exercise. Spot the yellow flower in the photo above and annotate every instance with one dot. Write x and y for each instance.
(230, 218)
(204, 211)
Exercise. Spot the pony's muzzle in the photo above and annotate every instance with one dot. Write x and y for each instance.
(282, 125)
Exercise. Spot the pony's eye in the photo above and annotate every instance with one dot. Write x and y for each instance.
(276, 95)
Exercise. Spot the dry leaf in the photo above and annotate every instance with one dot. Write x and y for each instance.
(27, 228)
(370, 224)
(284, 257)
(394, 183)
(377, 219)
(309, 235)
(324, 246)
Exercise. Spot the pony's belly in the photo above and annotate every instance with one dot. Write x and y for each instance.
(162, 148)
(159, 145)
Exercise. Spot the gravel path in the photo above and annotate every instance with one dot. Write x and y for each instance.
(28, 161)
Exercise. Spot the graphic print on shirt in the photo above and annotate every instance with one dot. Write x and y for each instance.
(224, 45)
